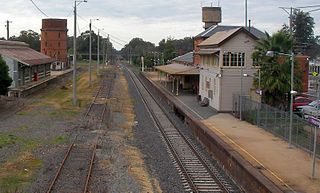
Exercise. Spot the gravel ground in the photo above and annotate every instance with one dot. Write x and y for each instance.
(149, 141)
(131, 156)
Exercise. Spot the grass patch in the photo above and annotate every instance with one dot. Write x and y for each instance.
(59, 140)
(7, 139)
(16, 175)
(18, 172)
(60, 98)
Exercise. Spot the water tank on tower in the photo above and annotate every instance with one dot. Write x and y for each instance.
(54, 41)
(211, 16)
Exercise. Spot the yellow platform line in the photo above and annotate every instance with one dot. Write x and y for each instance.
(251, 156)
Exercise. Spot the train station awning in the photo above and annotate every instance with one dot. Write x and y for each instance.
(178, 69)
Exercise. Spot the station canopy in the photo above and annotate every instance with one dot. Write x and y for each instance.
(178, 69)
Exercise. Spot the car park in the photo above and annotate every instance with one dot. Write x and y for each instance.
(311, 109)
(300, 101)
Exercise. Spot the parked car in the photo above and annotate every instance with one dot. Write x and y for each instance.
(300, 101)
(311, 109)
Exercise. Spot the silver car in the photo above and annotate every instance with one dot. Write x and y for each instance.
(311, 109)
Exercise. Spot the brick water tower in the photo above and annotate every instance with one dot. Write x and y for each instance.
(54, 41)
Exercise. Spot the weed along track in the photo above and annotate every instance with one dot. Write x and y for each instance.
(197, 173)
(76, 168)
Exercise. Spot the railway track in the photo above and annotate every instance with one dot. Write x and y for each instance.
(75, 169)
(196, 172)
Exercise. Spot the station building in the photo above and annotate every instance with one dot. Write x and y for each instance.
(26, 65)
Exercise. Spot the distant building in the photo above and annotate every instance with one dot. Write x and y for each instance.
(186, 59)
(54, 41)
(25, 64)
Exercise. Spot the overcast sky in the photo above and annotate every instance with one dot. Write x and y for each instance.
(151, 20)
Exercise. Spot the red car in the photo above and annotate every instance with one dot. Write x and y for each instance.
(300, 101)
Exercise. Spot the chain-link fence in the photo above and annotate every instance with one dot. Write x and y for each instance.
(277, 122)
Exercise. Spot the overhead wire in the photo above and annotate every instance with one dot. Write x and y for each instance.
(39, 8)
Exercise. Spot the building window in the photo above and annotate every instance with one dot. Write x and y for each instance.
(58, 44)
(233, 59)
(59, 35)
(226, 59)
(46, 43)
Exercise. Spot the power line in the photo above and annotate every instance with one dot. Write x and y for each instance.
(39, 8)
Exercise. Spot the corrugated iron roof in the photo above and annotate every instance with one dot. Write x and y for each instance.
(217, 28)
(24, 54)
(187, 58)
(219, 37)
(178, 69)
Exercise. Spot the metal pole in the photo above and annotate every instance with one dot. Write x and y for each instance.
(246, 13)
(291, 99)
(240, 109)
(90, 52)
(314, 153)
(8, 27)
(107, 50)
(290, 19)
(74, 96)
(98, 52)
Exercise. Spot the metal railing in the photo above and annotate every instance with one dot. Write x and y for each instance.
(276, 121)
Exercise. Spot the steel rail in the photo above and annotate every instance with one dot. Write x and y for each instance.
(90, 168)
(191, 146)
(175, 154)
(60, 168)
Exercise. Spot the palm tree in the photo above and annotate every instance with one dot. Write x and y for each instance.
(275, 71)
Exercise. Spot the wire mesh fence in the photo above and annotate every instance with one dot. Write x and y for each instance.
(277, 122)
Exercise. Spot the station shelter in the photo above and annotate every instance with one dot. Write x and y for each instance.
(179, 77)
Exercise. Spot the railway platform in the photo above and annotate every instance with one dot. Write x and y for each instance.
(290, 169)
(32, 87)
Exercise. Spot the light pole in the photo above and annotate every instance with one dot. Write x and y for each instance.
(74, 82)
(98, 51)
(90, 50)
(292, 92)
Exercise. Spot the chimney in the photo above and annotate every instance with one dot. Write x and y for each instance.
(211, 16)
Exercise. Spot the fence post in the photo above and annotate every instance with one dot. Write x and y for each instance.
(314, 153)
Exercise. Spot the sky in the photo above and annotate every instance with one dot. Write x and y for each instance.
(151, 20)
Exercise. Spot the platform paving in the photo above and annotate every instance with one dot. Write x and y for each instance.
(289, 168)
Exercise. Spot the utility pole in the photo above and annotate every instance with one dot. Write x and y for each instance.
(90, 52)
(246, 13)
(8, 27)
(103, 51)
(74, 81)
(98, 52)
(107, 49)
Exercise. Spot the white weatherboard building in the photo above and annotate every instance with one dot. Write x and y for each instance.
(224, 56)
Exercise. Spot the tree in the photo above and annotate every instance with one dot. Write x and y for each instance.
(5, 80)
(304, 39)
(30, 37)
(275, 73)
